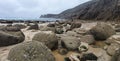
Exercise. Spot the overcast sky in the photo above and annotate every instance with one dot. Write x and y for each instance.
(34, 8)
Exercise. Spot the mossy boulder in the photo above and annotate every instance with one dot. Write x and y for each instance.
(49, 39)
(30, 51)
(102, 31)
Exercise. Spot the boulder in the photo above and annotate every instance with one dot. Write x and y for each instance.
(83, 47)
(102, 31)
(81, 31)
(116, 56)
(48, 29)
(75, 25)
(49, 39)
(59, 31)
(112, 48)
(72, 33)
(113, 39)
(21, 26)
(10, 38)
(34, 26)
(51, 25)
(62, 51)
(30, 51)
(87, 39)
(9, 28)
(69, 42)
(88, 56)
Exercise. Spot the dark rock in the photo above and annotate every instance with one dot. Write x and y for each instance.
(30, 51)
(63, 51)
(51, 25)
(89, 56)
(102, 31)
(49, 39)
(10, 38)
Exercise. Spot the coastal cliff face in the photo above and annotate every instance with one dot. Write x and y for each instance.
(93, 10)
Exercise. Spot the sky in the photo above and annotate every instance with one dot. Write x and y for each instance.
(34, 8)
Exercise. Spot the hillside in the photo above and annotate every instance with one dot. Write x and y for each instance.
(92, 10)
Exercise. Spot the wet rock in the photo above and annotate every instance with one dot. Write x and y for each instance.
(10, 38)
(88, 39)
(33, 26)
(75, 25)
(63, 51)
(89, 56)
(10, 35)
(49, 39)
(71, 43)
(116, 56)
(102, 31)
(112, 48)
(30, 51)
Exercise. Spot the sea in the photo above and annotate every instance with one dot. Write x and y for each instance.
(32, 19)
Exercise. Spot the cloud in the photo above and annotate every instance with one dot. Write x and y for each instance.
(34, 8)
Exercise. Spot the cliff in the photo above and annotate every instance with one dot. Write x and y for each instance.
(93, 10)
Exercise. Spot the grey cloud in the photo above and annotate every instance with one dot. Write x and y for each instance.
(34, 8)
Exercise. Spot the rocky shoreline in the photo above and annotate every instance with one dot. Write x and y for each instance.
(60, 41)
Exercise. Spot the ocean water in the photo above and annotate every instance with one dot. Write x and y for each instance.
(33, 19)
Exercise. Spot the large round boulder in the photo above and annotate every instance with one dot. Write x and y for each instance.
(10, 36)
(30, 51)
(49, 39)
(102, 31)
(69, 42)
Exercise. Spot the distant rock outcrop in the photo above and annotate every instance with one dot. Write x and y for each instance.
(93, 10)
